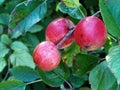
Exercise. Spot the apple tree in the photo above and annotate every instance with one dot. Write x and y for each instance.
(59, 45)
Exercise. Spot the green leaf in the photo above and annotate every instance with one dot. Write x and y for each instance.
(31, 41)
(77, 13)
(4, 18)
(113, 60)
(10, 5)
(40, 86)
(111, 15)
(2, 64)
(3, 50)
(12, 85)
(63, 71)
(55, 77)
(17, 45)
(35, 16)
(35, 28)
(1, 29)
(24, 73)
(78, 81)
(69, 54)
(5, 39)
(84, 63)
(84, 88)
(21, 11)
(1, 1)
(71, 3)
(101, 78)
(22, 58)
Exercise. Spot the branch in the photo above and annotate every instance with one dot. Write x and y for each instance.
(39, 80)
(65, 37)
(70, 33)
(7, 71)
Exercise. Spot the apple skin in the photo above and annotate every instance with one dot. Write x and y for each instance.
(57, 29)
(90, 33)
(46, 56)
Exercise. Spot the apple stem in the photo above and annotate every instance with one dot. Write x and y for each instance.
(96, 13)
(65, 37)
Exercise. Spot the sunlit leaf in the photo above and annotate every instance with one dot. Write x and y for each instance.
(71, 3)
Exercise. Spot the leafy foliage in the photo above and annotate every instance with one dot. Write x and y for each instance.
(105, 80)
(12, 85)
(5, 39)
(2, 64)
(73, 12)
(55, 77)
(71, 3)
(22, 58)
(113, 60)
(3, 50)
(22, 27)
(24, 73)
(110, 16)
(4, 18)
(34, 17)
(69, 54)
(84, 63)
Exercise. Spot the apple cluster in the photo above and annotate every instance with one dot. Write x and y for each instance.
(90, 34)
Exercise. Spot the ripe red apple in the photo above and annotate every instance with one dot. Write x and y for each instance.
(57, 29)
(90, 33)
(46, 55)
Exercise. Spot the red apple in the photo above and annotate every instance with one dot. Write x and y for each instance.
(90, 33)
(46, 55)
(57, 29)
